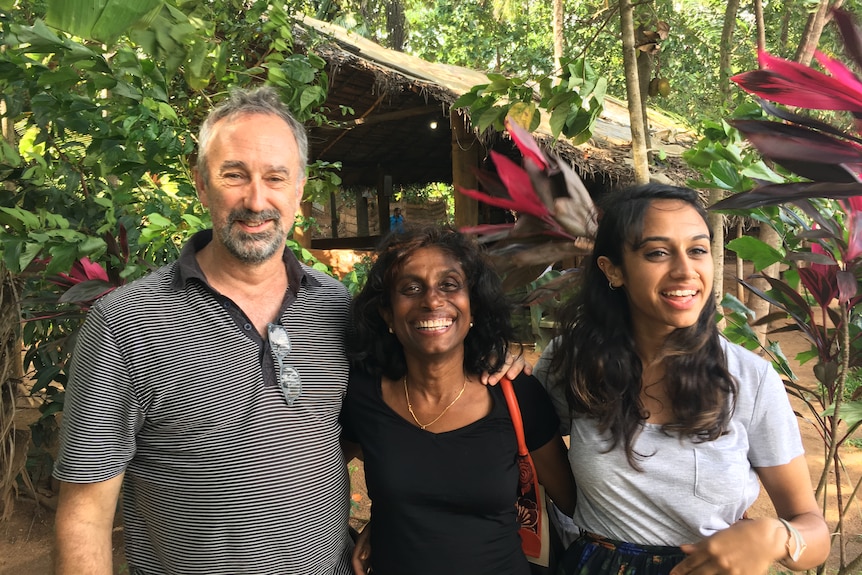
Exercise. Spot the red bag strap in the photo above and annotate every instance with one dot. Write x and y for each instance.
(515, 413)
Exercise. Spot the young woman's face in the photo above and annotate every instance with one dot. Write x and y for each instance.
(668, 278)
(430, 297)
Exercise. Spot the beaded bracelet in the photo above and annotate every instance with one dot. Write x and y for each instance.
(798, 540)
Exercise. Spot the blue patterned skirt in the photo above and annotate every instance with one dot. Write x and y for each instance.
(592, 554)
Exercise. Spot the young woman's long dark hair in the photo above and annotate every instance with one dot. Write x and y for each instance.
(596, 350)
(372, 348)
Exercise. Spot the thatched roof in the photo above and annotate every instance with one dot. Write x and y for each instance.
(395, 97)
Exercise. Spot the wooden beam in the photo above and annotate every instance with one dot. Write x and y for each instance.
(466, 155)
(391, 116)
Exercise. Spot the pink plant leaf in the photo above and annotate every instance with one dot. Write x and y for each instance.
(840, 72)
(853, 207)
(794, 84)
(850, 34)
(505, 203)
(90, 270)
(819, 279)
(526, 144)
(489, 232)
(87, 291)
(775, 194)
(517, 182)
(847, 286)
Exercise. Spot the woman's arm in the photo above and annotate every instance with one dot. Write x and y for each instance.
(751, 546)
(555, 474)
(789, 488)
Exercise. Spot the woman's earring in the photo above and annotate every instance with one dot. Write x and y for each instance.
(471, 324)
(390, 329)
(611, 285)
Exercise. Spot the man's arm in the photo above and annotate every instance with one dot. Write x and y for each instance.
(83, 525)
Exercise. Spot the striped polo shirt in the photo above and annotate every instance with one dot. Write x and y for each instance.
(170, 384)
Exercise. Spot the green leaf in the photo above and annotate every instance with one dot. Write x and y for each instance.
(489, 117)
(62, 258)
(760, 171)
(726, 175)
(91, 245)
(29, 219)
(45, 377)
(158, 220)
(779, 361)
(731, 302)
(103, 20)
(759, 253)
(558, 120)
(466, 100)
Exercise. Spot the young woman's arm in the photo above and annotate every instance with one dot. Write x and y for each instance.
(751, 546)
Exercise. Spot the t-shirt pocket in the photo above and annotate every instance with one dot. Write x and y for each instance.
(719, 476)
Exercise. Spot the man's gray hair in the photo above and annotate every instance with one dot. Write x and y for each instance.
(262, 100)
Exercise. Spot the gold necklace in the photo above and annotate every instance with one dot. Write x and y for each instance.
(442, 413)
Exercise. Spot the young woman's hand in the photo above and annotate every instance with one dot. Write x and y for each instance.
(512, 368)
(747, 547)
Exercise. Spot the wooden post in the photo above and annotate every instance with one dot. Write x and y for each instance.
(333, 213)
(466, 156)
(361, 213)
(384, 192)
(303, 237)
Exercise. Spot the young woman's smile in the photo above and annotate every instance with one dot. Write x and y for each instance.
(668, 275)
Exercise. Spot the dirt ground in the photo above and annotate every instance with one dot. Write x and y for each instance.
(26, 540)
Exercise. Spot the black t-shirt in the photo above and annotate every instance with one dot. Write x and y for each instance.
(444, 503)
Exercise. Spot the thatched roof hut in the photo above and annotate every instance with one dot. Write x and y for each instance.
(391, 123)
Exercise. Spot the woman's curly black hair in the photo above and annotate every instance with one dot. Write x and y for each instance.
(596, 354)
(373, 349)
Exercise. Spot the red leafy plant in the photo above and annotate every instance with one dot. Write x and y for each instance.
(820, 220)
(556, 216)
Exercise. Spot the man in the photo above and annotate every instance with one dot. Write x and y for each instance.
(396, 222)
(210, 390)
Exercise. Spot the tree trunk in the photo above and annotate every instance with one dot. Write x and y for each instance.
(725, 49)
(716, 222)
(645, 66)
(636, 117)
(396, 25)
(558, 35)
(755, 303)
(813, 30)
(760, 24)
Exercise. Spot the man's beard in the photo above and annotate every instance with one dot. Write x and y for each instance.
(252, 248)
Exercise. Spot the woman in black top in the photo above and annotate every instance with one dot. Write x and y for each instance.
(438, 445)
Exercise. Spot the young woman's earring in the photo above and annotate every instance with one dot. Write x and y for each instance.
(611, 285)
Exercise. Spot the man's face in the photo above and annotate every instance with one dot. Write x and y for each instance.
(254, 186)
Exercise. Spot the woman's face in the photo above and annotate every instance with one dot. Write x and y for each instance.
(430, 298)
(668, 278)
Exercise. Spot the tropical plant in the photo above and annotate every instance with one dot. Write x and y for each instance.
(821, 222)
(556, 219)
(98, 114)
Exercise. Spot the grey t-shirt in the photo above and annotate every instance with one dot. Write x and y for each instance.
(686, 491)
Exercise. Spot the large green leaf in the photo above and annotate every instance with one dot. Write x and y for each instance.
(755, 251)
(851, 412)
(103, 20)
